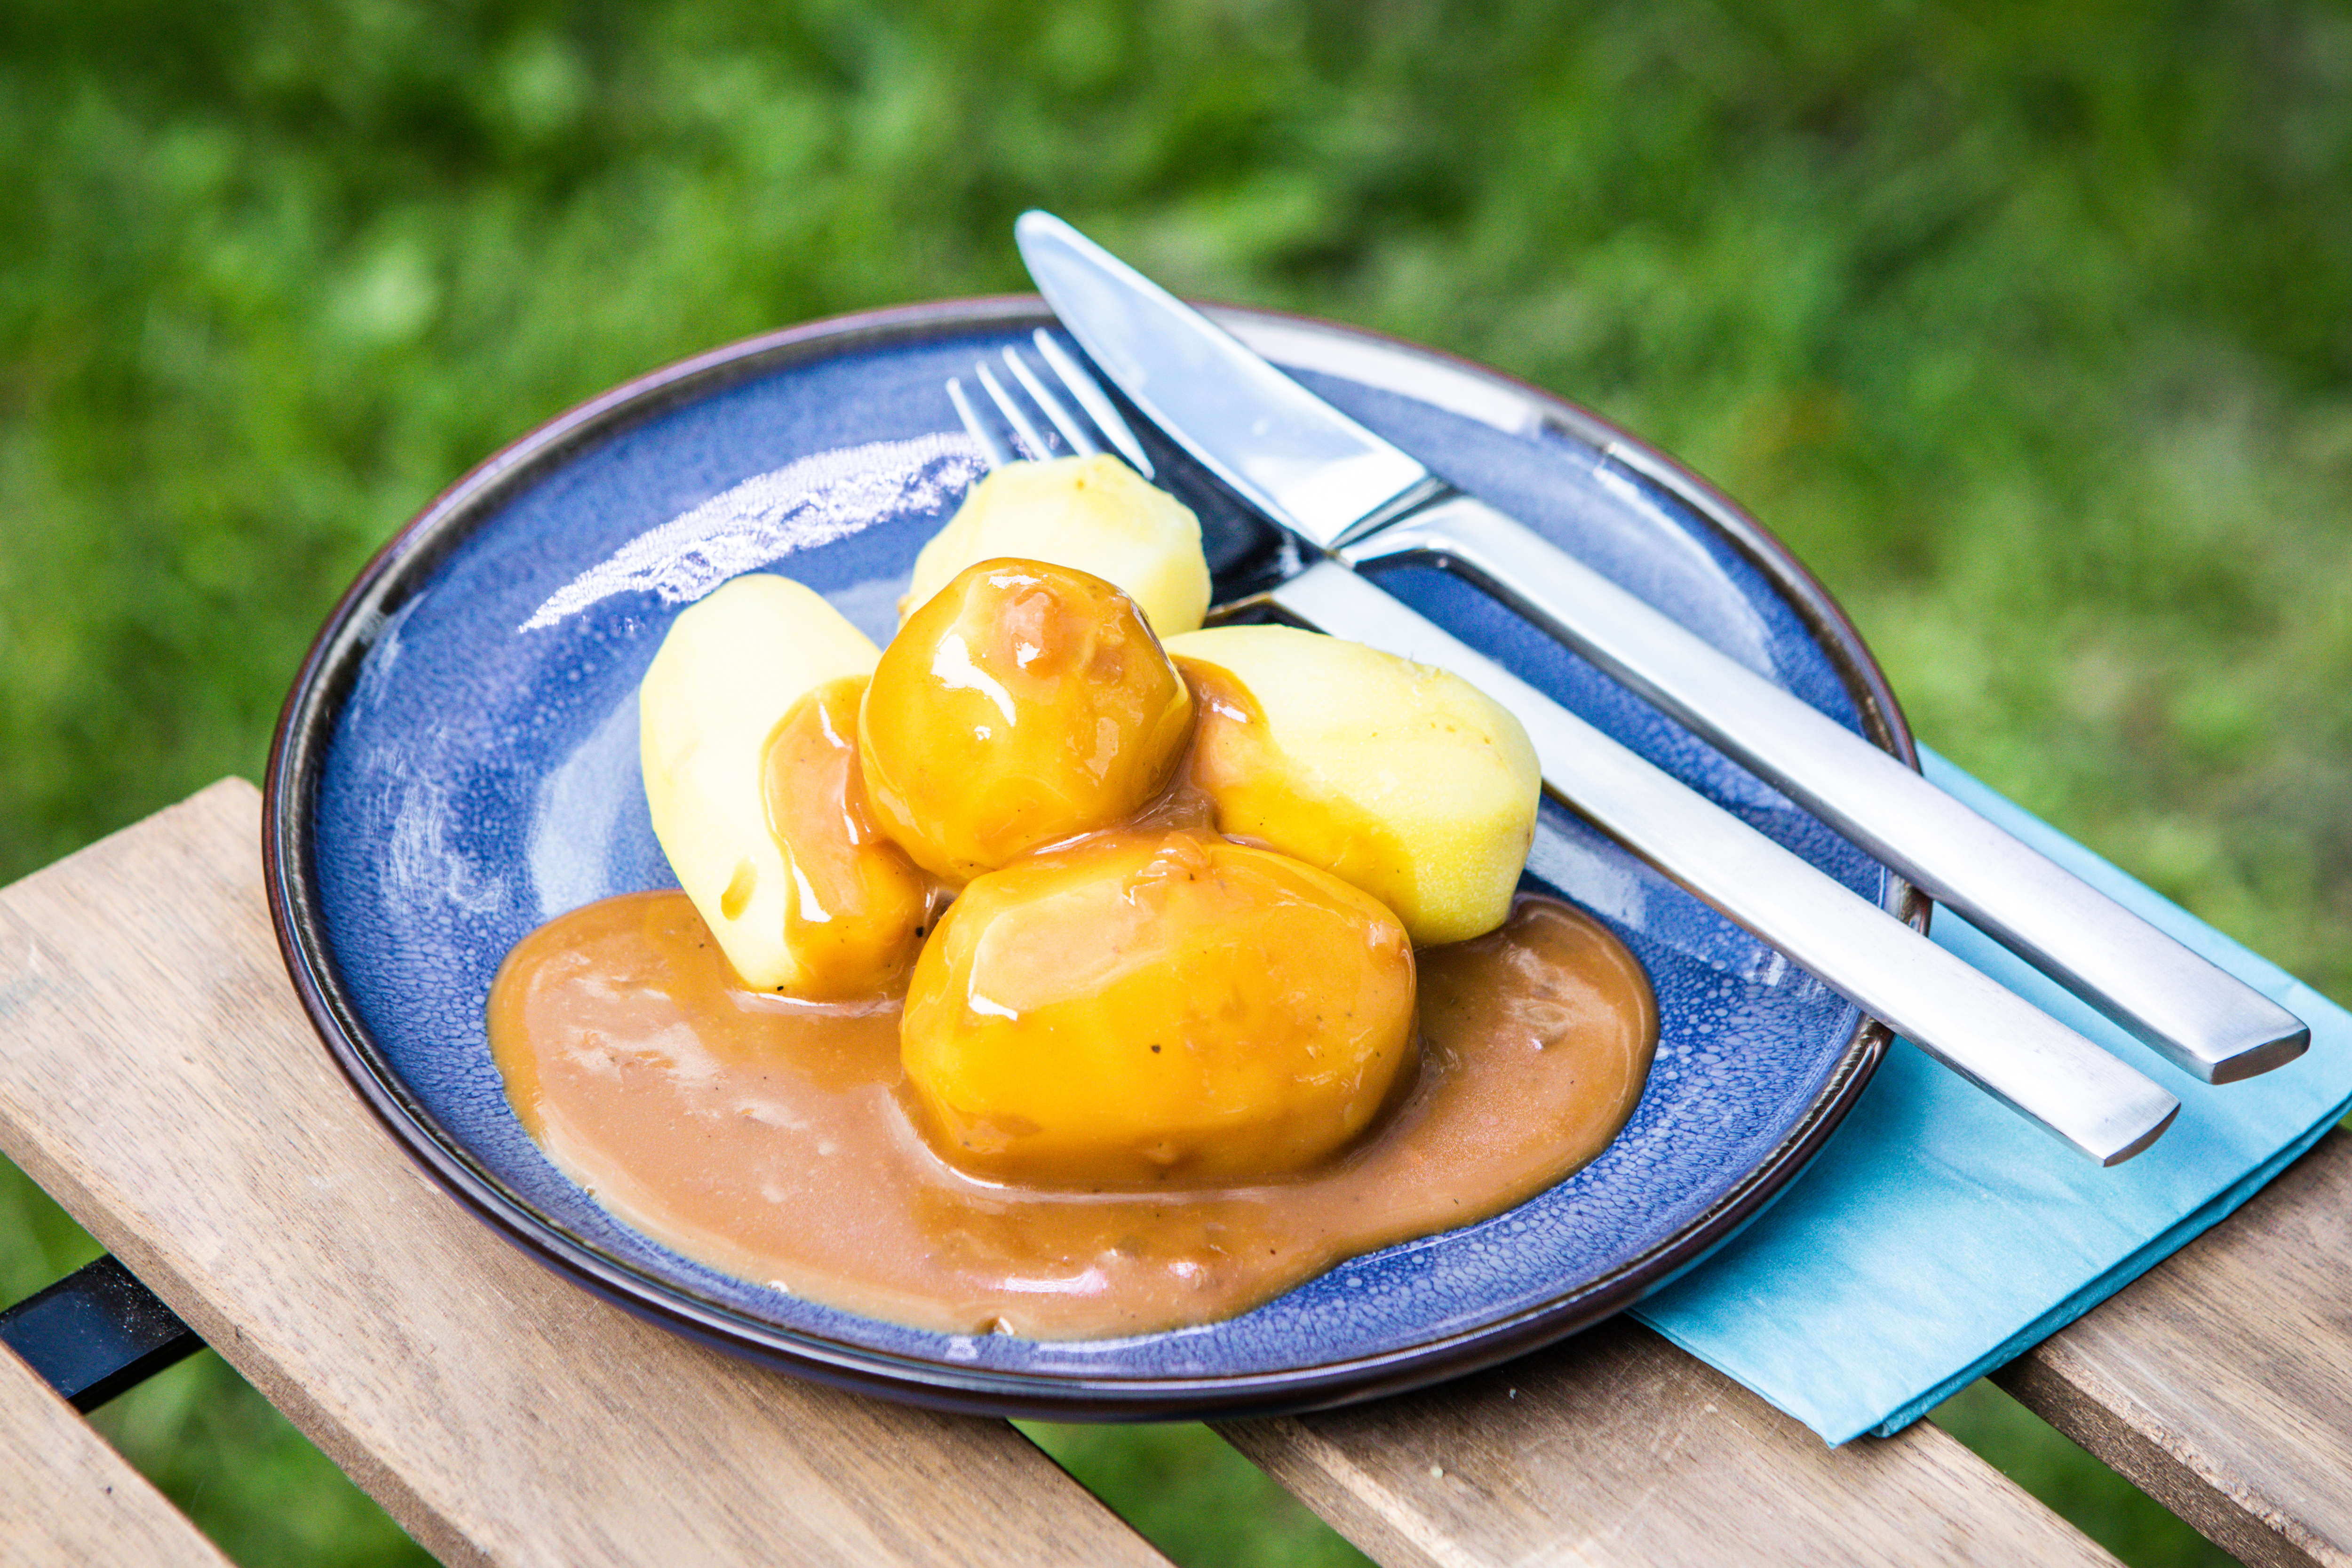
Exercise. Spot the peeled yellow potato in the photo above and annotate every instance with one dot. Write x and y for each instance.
(733, 668)
(1403, 780)
(1094, 513)
(1025, 703)
(1144, 1009)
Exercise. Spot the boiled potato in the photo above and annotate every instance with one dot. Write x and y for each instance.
(857, 908)
(760, 661)
(1403, 780)
(1024, 703)
(1094, 513)
(1143, 1009)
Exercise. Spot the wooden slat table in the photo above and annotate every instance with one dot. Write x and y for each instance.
(158, 1076)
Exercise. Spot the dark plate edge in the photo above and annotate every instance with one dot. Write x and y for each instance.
(325, 679)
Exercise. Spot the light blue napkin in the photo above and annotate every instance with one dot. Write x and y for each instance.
(1939, 1235)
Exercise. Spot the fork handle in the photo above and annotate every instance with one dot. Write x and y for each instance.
(2205, 1020)
(1995, 1038)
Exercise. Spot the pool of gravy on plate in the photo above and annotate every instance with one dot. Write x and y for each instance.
(774, 1139)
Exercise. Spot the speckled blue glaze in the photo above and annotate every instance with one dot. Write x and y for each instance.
(482, 777)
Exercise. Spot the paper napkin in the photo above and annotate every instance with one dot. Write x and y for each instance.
(1939, 1235)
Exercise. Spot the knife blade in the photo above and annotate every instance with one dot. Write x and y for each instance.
(1353, 494)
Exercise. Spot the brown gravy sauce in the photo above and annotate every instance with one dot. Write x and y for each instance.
(772, 1137)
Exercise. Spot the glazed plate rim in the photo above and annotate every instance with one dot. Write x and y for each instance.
(306, 728)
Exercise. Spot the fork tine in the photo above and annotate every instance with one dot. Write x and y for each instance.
(1015, 414)
(1075, 432)
(1093, 400)
(991, 443)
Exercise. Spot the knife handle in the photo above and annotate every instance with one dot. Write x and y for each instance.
(2203, 1019)
(1992, 1037)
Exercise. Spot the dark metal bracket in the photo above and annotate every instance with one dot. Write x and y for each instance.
(96, 1334)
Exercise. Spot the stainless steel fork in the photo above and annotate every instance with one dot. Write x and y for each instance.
(1988, 1034)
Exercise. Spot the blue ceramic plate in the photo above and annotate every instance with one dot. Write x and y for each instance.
(457, 764)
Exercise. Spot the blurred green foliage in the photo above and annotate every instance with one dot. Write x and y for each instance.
(2023, 323)
(1194, 1497)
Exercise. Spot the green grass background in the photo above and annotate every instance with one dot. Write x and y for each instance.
(2025, 325)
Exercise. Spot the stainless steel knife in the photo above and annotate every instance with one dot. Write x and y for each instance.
(1360, 500)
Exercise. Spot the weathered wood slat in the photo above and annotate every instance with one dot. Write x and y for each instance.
(158, 1076)
(2220, 1381)
(1617, 1448)
(70, 1499)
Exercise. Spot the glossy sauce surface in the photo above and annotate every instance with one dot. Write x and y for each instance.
(1022, 704)
(771, 1138)
(1155, 1009)
(857, 909)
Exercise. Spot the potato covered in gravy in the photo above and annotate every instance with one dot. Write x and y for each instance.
(1406, 781)
(1146, 1009)
(1024, 703)
(1094, 513)
(746, 726)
